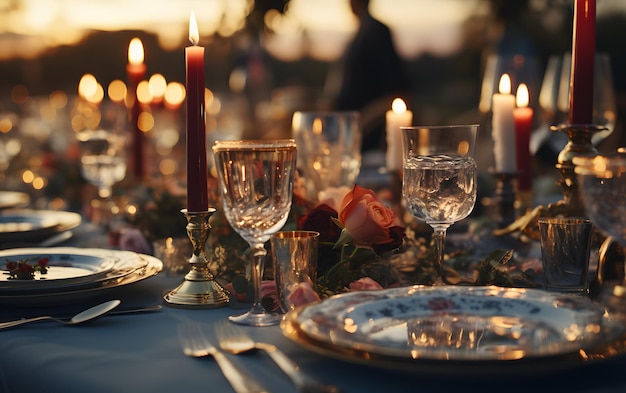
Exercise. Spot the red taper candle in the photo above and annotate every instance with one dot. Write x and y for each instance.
(197, 173)
(523, 116)
(583, 56)
(135, 71)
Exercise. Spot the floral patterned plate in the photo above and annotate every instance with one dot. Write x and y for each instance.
(451, 324)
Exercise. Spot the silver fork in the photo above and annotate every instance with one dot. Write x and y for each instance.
(233, 339)
(196, 344)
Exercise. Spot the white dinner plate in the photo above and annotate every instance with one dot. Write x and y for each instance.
(66, 266)
(150, 266)
(417, 326)
(11, 199)
(26, 225)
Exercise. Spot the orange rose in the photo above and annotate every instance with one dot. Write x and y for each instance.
(366, 218)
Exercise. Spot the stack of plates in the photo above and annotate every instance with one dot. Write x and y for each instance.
(21, 226)
(10, 199)
(74, 274)
(474, 329)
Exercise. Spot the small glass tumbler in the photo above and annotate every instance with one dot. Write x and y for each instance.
(565, 251)
(294, 254)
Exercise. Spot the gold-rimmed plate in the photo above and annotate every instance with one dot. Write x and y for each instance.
(65, 266)
(478, 328)
(27, 225)
(151, 266)
(69, 268)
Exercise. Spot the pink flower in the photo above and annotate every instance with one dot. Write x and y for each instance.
(365, 284)
(333, 196)
(133, 240)
(366, 218)
(300, 294)
(268, 291)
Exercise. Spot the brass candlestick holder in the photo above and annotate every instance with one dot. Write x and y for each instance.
(578, 145)
(504, 198)
(199, 290)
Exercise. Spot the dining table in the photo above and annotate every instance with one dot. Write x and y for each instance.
(141, 352)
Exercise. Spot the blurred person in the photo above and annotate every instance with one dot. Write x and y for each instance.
(373, 74)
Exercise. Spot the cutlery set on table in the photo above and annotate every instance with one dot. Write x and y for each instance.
(234, 340)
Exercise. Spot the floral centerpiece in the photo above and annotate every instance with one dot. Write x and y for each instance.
(356, 240)
(364, 244)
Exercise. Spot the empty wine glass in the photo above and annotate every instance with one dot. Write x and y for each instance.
(102, 159)
(439, 178)
(329, 148)
(256, 180)
(602, 186)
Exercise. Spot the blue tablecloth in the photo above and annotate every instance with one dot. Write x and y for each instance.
(142, 353)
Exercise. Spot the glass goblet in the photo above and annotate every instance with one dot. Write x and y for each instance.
(102, 159)
(439, 178)
(329, 150)
(602, 186)
(256, 181)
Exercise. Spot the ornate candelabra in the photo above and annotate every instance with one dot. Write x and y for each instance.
(199, 290)
(578, 145)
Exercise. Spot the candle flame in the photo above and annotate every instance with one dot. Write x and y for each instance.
(522, 96)
(194, 36)
(398, 106)
(505, 84)
(135, 51)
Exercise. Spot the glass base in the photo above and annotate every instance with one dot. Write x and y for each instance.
(255, 318)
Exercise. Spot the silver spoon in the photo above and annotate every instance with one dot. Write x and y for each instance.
(82, 317)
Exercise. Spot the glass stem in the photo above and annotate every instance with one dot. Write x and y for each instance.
(258, 263)
(439, 236)
(105, 192)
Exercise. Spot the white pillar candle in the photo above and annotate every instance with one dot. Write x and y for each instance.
(503, 128)
(397, 117)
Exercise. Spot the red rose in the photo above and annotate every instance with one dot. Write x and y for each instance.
(320, 220)
(366, 218)
(396, 233)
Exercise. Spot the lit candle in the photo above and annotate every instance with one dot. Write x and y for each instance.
(583, 56)
(135, 70)
(397, 117)
(197, 173)
(503, 128)
(523, 116)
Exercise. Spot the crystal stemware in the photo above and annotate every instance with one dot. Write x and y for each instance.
(329, 148)
(602, 186)
(256, 180)
(439, 178)
(102, 160)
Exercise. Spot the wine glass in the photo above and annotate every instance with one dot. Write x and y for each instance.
(602, 186)
(439, 178)
(256, 179)
(330, 148)
(102, 160)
